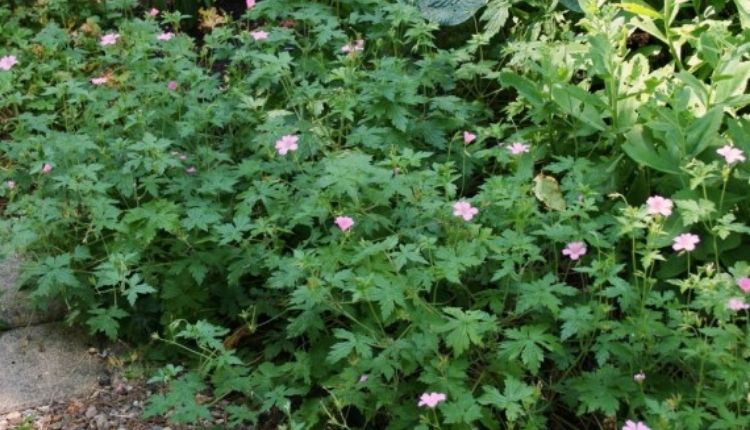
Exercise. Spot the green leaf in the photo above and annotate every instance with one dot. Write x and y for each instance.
(644, 153)
(602, 390)
(54, 275)
(576, 321)
(137, 287)
(201, 218)
(526, 88)
(743, 9)
(515, 395)
(466, 328)
(730, 78)
(640, 9)
(543, 293)
(462, 411)
(528, 343)
(704, 131)
(351, 343)
(572, 5)
(580, 104)
(694, 211)
(106, 321)
(495, 15)
(449, 12)
(180, 401)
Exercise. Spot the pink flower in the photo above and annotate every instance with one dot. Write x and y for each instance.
(359, 45)
(46, 168)
(575, 250)
(8, 61)
(10, 184)
(172, 85)
(639, 377)
(153, 12)
(109, 39)
(658, 205)
(101, 80)
(630, 425)
(469, 137)
(165, 36)
(250, 4)
(363, 379)
(731, 154)
(344, 222)
(744, 284)
(464, 210)
(431, 400)
(190, 170)
(286, 143)
(518, 148)
(259, 35)
(736, 304)
(685, 242)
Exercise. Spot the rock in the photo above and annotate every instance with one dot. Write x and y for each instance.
(13, 417)
(105, 380)
(4, 425)
(44, 363)
(101, 422)
(91, 412)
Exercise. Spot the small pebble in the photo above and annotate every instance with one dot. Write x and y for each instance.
(91, 412)
(101, 422)
(105, 380)
(13, 416)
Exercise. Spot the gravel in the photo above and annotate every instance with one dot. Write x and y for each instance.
(117, 406)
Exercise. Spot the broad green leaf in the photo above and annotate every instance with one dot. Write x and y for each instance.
(526, 88)
(704, 131)
(449, 12)
(730, 79)
(641, 9)
(644, 153)
(743, 9)
(572, 5)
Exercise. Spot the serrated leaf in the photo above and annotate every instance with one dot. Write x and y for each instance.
(514, 395)
(106, 321)
(136, 287)
(465, 328)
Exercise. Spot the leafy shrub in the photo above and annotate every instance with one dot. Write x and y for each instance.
(353, 223)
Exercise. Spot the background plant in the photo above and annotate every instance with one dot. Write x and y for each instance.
(159, 206)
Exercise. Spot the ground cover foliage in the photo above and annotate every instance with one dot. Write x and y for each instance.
(342, 215)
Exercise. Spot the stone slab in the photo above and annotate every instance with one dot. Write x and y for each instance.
(44, 363)
(15, 308)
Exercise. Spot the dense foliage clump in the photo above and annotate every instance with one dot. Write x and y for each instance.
(342, 215)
